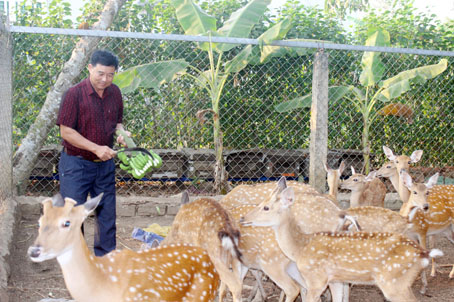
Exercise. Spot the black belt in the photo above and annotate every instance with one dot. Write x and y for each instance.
(80, 156)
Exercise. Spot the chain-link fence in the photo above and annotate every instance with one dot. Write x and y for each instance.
(260, 141)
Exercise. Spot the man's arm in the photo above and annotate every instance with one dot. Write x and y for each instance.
(120, 138)
(74, 138)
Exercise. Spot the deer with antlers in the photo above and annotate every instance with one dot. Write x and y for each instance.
(366, 190)
(205, 223)
(173, 273)
(390, 261)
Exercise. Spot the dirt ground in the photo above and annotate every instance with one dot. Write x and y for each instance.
(31, 282)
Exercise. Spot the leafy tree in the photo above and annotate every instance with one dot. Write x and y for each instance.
(195, 21)
(373, 88)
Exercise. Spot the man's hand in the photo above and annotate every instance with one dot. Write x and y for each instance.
(105, 153)
(121, 139)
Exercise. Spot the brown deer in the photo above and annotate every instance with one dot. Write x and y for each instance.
(402, 162)
(253, 194)
(205, 223)
(173, 273)
(437, 201)
(366, 190)
(247, 196)
(261, 251)
(390, 261)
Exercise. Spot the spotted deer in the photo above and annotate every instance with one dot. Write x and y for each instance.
(366, 190)
(261, 251)
(325, 215)
(254, 194)
(437, 203)
(173, 273)
(402, 162)
(388, 260)
(205, 223)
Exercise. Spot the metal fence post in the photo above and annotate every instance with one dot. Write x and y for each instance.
(319, 122)
(7, 203)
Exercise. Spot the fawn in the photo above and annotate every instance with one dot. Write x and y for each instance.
(391, 261)
(173, 273)
(366, 190)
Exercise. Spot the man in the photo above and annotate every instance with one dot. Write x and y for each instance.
(89, 114)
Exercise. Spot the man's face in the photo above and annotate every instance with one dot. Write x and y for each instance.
(101, 76)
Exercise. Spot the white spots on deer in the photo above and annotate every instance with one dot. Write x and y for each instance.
(126, 275)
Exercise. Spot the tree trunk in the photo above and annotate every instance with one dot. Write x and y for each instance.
(27, 154)
(7, 202)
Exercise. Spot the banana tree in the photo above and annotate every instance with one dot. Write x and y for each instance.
(195, 21)
(373, 89)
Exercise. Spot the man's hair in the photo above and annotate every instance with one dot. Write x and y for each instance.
(104, 57)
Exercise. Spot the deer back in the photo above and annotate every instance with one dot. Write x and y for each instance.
(205, 223)
(258, 245)
(255, 194)
(363, 257)
(374, 194)
(378, 219)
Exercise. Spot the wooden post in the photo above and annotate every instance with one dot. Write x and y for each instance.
(318, 149)
(7, 203)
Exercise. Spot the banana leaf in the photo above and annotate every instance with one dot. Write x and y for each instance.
(151, 75)
(371, 63)
(335, 93)
(401, 83)
(241, 22)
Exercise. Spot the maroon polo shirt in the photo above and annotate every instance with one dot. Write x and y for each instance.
(95, 118)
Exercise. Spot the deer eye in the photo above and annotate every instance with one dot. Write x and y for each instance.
(427, 193)
(388, 167)
(355, 179)
(266, 208)
(414, 192)
(409, 162)
(66, 224)
(397, 161)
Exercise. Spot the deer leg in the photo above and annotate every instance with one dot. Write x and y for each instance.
(433, 270)
(339, 291)
(231, 278)
(258, 277)
(222, 291)
(451, 274)
(424, 282)
(396, 292)
(278, 274)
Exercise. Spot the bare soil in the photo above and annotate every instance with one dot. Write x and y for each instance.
(31, 282)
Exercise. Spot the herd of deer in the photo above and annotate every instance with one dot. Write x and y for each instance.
(301, 239)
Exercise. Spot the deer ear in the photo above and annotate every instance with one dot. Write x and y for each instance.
(57, 200)
(91, 204)
(432, 181)
(353, 170)
(282, 183)
(287, 197)
(371, 176)
(416, 156)
(389, 153)
(184, 198)
(341, 168)
(406, 179)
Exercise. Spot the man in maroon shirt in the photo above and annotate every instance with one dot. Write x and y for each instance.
(89, 114)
